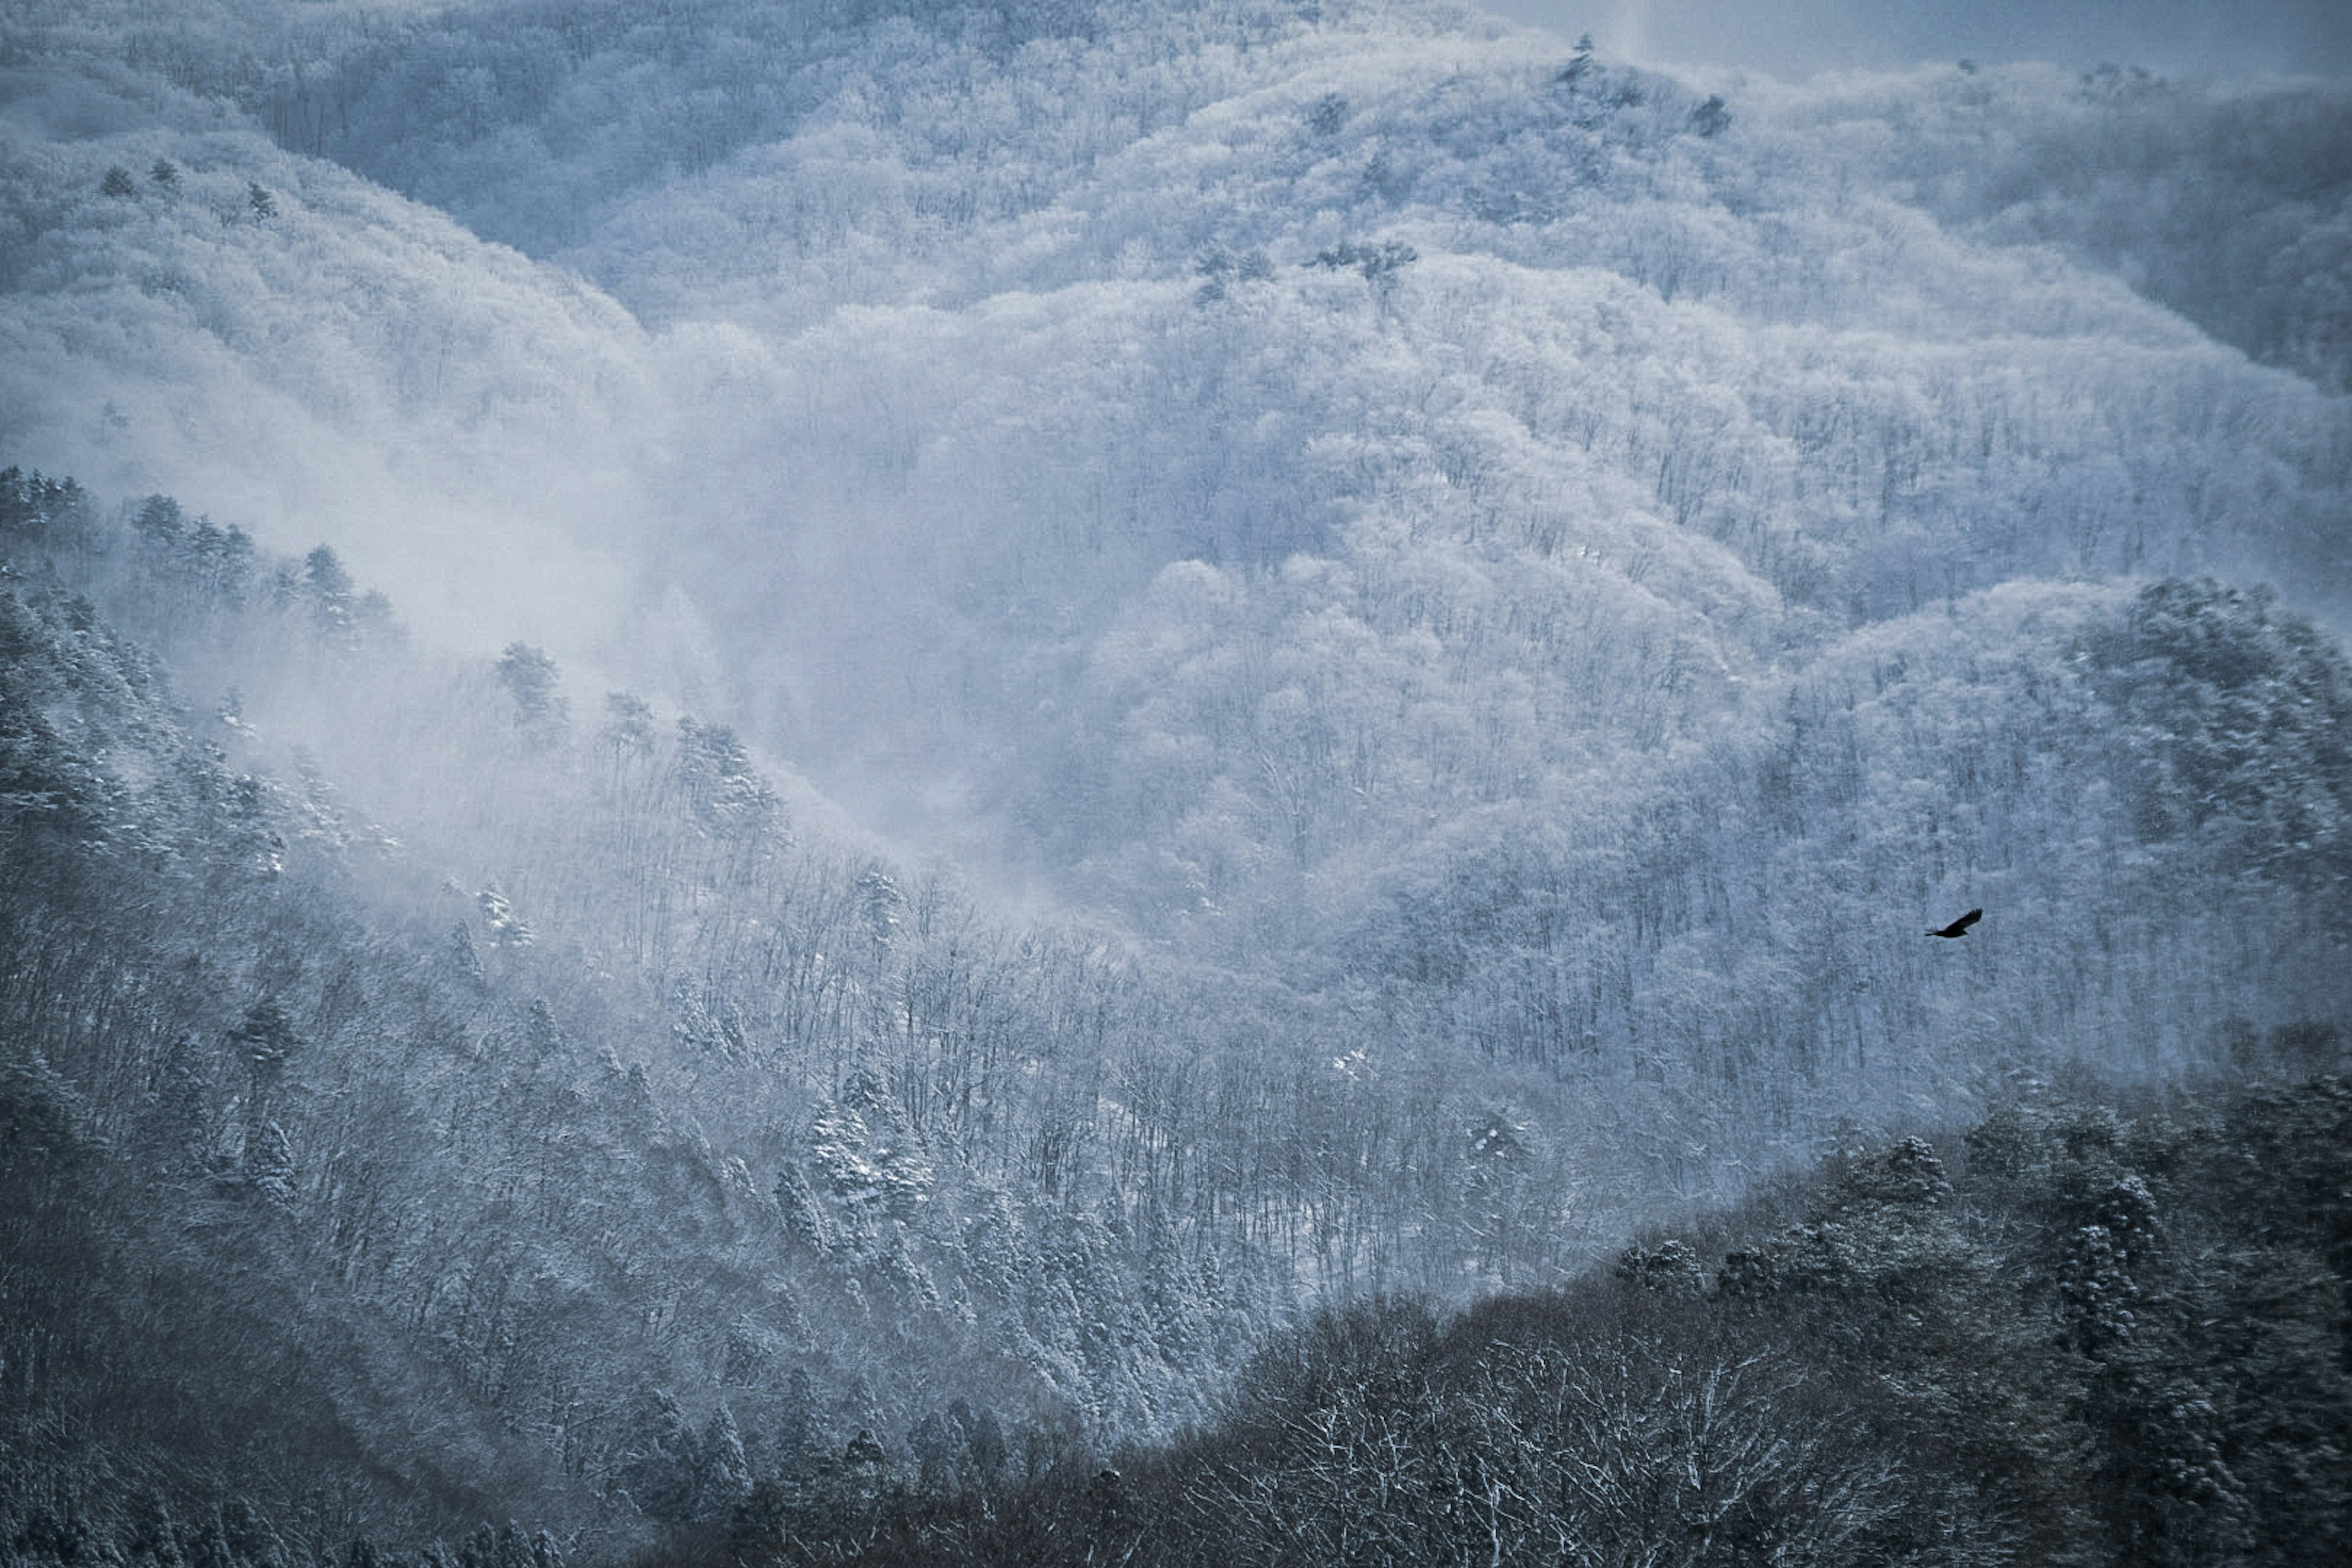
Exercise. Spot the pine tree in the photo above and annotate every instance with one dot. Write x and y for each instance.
(535, 686)
(152, 1539)
(463, 957)
(1579, 65)
(209, 1544)
(327, 587)
(269, 1041)
(628, 724)
(803, 1220)
(541, 1033)
(479, 1549)
(984, 1444)
(513, 1549)
(506, 929)
(180, 1118)
(223, 562)
(723, 1476)
(659, 1462)
(882, 904)
(800, 1418)
(269, 1165)
(933, 1444)
(248, 1536)
(158, 523)
(863, 1463)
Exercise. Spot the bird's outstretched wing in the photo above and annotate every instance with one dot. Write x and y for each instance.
(1960, 927)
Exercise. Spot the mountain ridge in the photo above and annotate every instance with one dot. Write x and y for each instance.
(1488, 596)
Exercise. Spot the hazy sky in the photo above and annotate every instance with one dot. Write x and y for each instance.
(1797, 38)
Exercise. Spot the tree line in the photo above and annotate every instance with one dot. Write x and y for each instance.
(2091, 1328)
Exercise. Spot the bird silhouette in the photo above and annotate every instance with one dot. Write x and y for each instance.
(1960, 927)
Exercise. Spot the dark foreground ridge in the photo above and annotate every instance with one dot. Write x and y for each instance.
(2077, 1334)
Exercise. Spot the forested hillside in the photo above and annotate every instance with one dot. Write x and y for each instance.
(2070, 1335)
(326, 1128)
(778, 767)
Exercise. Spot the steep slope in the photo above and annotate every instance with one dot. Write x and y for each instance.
(1511, 590)
(979, 322)
(187, 307)
(291, 1122)
(1576, 416)
(2233, 207)
(483, 1161)
(2074, 1335)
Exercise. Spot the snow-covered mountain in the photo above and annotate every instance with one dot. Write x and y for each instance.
(1256, 651)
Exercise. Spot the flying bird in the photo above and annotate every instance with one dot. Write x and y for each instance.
(1960, 927)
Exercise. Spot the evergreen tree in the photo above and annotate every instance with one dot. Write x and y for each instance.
(934, 1445)
(270, 1164)
(863, 1463)
(479, 1549)
(208, 1545)
(267, 1040)
(658, 1463)
(222, 562)
(513, 1548)
(803, 1220)
(465, 959)
(249, 1537)
(327, 587)
(534, 685)
(723, 1476)
(985, 1443)
(180, 1117)
(151, 1541)
(506, 931)
(159, 523)
(628, 728)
